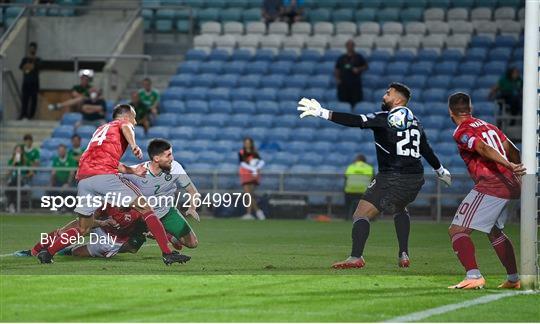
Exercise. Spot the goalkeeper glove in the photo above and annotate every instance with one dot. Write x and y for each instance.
(444, 175)
(312, 107)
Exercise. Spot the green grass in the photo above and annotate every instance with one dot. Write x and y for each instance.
(251, 272)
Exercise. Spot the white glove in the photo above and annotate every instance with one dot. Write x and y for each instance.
(312, 107)
(444, 175)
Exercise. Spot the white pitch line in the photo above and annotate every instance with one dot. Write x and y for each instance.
(6, 255)
(415, 317)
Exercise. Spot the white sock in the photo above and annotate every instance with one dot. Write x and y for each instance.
(474, 274)
(513, 277)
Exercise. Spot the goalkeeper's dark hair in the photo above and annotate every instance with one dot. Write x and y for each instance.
(157, 146)
(460, 103)
(121, 109)
(402, 89)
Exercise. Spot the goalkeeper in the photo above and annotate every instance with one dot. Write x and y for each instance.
(401, 174)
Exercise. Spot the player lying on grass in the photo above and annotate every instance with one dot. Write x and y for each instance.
(98, 177)
(401, 174)
(115, 230)
(164, 177)
(494, 164)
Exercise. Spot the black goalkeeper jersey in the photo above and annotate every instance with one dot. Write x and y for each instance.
(397, 151)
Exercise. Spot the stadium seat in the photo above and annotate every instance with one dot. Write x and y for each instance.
(434, 94)
(495, 67)
(202, 80)
(387, 14)
(194, 54)
(267, 106)
(365, 14)
(251, 15)
(499, 54)
(257, 67)
(235, 67)
(71, 118)
(290, 94)
(219, 54)
(319, 15)
(233, 28)
(266, 94)
(166, 119)
(446, 68)
(411, 14)
(215, 120)
(301, 28)
(470, 67)
(466, 81)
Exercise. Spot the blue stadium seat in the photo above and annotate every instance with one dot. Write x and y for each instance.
(164, 25)
(380, 55)
(326, 67)
(173, 93)
(480, 95)
(227, 80)
(206, 133)
(264, 54)
(194, 54)
(411, 15)
(331, 55)
(495, 67)
(281, 67)
(208, 14)
(215, 67)
(243, 107)
(416, 80)
(71, 118)
(235, 67)
(273, 81)
(262, 120)
(304, 68)
(196, 93)
(216, 120)
(365, 14)
(290, 94)
(182, 133)
(220, 106)
(428, 55)
(158, 131)
(446, 68)
(439, 81)
(190, 119)
(241, 54)
(231, 14)
(322, 147)
(423, 67)
(477, 54)
(85, 131)
(253, 14)
(267, 106)
(287, 55)
(196, 106)
(181, 80)
(417, 108)
(480, 41)
(218, 94)
(404, 56)
(289, 121)
(388, 14)
(432, 133)
(189, 67)
(435, 94)
(304, 134)
(500, 54)
(487, 81)
(165, 120)
(315, 93)
(250, 80)
(267, 94)
(485, 108)
(257, 133)
(517, 54)
(470, 67)
(377, 67)
(339, 106)
(466, 80)
(296, 81)
(243, 93)
(238, 120)
(505, 41)
(319, 81)
(257, 67)
(318, 15)
(397, 68)
(232, 133)
(342, 15)
(310, 55)
(219, 54)
(451, 55)
(203, 80)
(63, 131)
(280, 133)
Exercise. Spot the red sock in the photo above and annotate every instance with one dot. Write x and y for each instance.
(64, 239)
(505, 251)
(157, 230)
(464, 248)
(38, 247)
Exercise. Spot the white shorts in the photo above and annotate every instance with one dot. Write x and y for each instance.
(99, 186)
(481, 212)
(103, 248)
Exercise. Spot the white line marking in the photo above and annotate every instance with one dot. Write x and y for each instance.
(415, 317)
(6, 255)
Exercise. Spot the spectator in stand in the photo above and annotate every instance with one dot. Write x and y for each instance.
(79, 93)
(76, 149)
(31, 153)
(142, 110)
(93, 109)
(250, 176)
(348, 74)
(293, 11)
(150, 97)
(62, 178)
(30, 65)
(18, 159)
(271, 10)
(509, 89)
(357, 179)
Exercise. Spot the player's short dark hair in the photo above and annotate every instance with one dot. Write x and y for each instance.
(157, 146)
(120, 110)
(28, 137)
(361, 157)
(460, 103)
(62, 145)
(402, 89)
(147, 79)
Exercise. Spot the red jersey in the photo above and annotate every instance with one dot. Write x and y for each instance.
(126, 220)
(104, 151)
(490, 178)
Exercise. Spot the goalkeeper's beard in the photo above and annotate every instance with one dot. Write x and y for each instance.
(385, 106)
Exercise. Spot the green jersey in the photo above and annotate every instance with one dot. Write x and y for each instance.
(76, 152)
(31, 155)
(85, 91)
(149, 98)
(62, 176)
(161, 185)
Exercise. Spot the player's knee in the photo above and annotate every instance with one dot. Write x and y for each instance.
(494, 234)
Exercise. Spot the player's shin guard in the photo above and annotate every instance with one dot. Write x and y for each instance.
(157, 230)
(64, 239)
(505, 251)
(402, 223)
(360, 233)
(464, 249)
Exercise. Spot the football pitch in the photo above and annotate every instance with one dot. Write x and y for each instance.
(253, 271)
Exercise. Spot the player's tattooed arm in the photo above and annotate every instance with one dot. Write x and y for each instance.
(129, 135)
(491, 154)
(138, 170)
(512, 152)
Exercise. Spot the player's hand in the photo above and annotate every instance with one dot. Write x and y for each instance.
(140, 171)
(169, 259)
(136, 150)
(517, 169)
(192, 212)
(444, 175)
(311, 107)
(108, 222)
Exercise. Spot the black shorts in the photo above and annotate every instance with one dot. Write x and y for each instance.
(391, 193)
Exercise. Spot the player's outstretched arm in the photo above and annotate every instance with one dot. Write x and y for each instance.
(512, 152)
(138, 170)
(192, 209)
(491, 154)
(311, 107)
(129, 135)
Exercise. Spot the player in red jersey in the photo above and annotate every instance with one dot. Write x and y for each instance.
(495, 166)
(98, 178)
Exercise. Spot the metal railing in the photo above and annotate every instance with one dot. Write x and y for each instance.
(272, 183)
